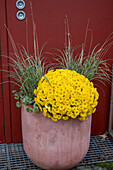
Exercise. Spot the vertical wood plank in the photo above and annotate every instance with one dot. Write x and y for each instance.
(2, 133)
(19, 31)
(4, 60)
(110, 127)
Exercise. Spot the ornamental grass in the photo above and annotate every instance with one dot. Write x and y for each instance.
(91, 64)
(67, 91)
(26, 70)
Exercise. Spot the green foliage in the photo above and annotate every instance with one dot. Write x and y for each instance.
(26, 72)
(108, 165)
(13, 91)
(90, 64)
(16, 97)
(104, 165)
(29, 109)
(25, 103)
(47, 79)
(25, 69)
(35, 110)
(18, 104)
(26, 100)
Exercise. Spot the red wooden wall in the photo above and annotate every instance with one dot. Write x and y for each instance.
(49, 16)
(5, 114)
(2, 135)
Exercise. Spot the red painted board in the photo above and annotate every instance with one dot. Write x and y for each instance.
(49, 16)
(6, 98)
(2, 136)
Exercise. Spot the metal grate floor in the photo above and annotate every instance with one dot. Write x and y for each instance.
(12, 156)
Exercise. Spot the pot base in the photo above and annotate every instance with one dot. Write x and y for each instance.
(55, 145)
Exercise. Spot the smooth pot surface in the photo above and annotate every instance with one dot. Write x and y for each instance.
(54, 145)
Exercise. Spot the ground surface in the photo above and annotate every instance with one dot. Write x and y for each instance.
(12, 156)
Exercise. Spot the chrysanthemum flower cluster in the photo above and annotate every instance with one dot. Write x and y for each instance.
(64, 94)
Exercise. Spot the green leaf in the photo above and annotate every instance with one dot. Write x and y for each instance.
(13, 91)
(28, 98)
(47, 79)
(21, 99)
(21, 96)
(30, 102)
(16, 97)
(28, 109)
(35, 106)
(25, 103)
(18, 104)
(35, 110)
(16, 94)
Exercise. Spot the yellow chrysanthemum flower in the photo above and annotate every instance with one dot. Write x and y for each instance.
(65, 94)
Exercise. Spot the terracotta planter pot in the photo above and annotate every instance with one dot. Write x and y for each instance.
(54, 145)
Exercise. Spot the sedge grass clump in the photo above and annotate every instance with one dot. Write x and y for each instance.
(26, 70)
(91, 64)
(66, 92)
